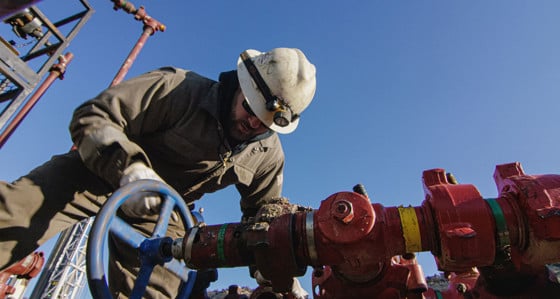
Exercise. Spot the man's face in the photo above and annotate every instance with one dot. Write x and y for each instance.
(244, 124)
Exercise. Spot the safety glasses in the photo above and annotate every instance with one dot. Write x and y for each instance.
(247, 108)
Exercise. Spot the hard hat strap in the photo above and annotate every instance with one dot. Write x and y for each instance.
(273, 103)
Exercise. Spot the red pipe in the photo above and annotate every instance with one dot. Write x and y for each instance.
(56, 71)
(27, 268)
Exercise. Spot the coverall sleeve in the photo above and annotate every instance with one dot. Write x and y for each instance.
(266, 186)
(105, 127)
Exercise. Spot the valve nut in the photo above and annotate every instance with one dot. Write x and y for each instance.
(345, 217)
(343, 211)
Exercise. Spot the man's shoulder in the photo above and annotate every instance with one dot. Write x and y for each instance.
(183, 80)
(177, 71)
(269, 137)
(273, 144)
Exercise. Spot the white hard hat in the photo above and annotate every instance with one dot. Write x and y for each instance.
(285, 88)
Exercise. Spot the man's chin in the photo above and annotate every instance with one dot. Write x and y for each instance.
(241, 133)
(239, 136)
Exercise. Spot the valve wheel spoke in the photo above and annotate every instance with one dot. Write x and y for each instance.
(150, 254)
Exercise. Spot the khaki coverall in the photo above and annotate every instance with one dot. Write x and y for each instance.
(167, 118)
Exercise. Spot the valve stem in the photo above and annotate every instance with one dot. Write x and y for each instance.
(360, 189)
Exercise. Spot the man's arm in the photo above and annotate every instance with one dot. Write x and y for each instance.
(104, 127)
(267, 182)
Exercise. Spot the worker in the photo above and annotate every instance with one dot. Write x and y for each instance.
(171, 125)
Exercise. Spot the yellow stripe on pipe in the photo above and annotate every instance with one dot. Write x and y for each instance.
(411, 229)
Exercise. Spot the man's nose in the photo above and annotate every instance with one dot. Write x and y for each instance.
(254, 122)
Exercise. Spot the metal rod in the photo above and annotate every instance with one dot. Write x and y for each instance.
(132, 56)
(151, 26)
(56, 71)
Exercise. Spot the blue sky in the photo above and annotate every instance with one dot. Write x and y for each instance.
(402, 86)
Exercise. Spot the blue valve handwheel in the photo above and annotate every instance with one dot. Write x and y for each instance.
(107, 221)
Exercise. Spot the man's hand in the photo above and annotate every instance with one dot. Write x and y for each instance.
(297, 291)
(142, 204)
(145, 203)
(138, 171)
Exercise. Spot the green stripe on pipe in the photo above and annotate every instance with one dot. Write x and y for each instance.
(221, 237)
(501, 226)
